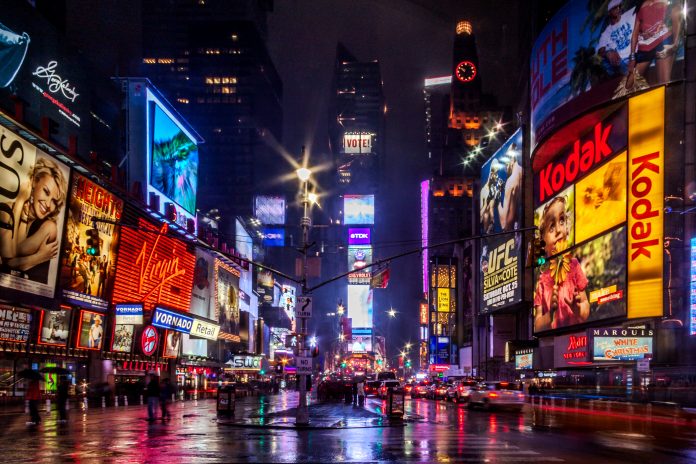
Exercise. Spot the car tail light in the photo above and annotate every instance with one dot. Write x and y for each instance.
(493, 395)
(461, 389)
(520, 395)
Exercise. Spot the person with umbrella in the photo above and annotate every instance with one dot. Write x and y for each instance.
(34, 396)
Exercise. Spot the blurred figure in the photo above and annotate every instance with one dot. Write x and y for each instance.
(152, 393)
(62, 399)
(34, 396)
(166, 391)
(361, 393)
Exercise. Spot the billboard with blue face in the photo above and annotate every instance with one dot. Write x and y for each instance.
(358, 209)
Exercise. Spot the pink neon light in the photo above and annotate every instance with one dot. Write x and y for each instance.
(425, 192)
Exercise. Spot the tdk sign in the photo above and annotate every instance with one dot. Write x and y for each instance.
(169, 320)
(359, 236)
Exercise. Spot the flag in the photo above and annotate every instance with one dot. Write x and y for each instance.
(380, 279)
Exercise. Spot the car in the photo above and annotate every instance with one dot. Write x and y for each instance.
(459, 391)
(439, 392)
(371, 387)
(407, 388)
(497, 394)
(385, 386)
(419, 390)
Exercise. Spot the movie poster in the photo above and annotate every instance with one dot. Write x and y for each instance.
(33, 194)
(123, 338)
(91, 330)
(502, 180)
(54, 327)
(203, 282)
(586, 55)
(172, 344)
(227, 297)
(87, 280)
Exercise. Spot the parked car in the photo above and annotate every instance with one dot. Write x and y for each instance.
(497, 394)
(371, 387)
(459, 391)
(386, 385)
(419, 390)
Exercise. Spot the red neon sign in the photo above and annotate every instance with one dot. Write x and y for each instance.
(154, 268)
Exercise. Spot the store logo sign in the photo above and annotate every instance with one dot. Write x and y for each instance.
(56, 84)
(156, 269)
(170, 320)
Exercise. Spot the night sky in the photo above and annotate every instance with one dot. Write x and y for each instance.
(412, 40)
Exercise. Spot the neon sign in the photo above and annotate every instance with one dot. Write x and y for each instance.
(55, 82)
(692, 325)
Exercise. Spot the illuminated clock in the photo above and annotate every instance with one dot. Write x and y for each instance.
(465, 71)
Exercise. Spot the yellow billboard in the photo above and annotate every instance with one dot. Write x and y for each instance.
(443, 300)
(646, 140)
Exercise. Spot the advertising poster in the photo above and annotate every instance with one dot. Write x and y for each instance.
(227, 297)
(270, 210)
(501, 202)
(153, 268)
(87, 280)
(174, 160)
(586, 55)
(122, 341)
(264, 286)
(358, 258)
(172, 344)
(360, 305)
(358, 209)
(33, 196)
(203, 282)
(90, 330)
(524, 359)
(359, 143)
(54, 327)
(619, 344)
(361, 343)
(15, 324)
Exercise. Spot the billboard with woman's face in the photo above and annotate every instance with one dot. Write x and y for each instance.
(592, 52)
(227, 297)
(33, 192)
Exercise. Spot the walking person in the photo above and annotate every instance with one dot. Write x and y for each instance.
(62, 399)
(361, 393)
(152, 392)
(166, 391)
(355, 393)
(34, 396)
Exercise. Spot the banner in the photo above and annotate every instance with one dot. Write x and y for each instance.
(15, 324)
(203, 285)
(87, 280)
(33, 194)
(122, 338)
(90, 331)
(227, 297)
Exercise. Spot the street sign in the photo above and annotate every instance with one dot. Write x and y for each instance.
(643, 365)
(304, 307)
(304, 365)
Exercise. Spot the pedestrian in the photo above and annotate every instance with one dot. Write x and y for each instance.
(355, 393)
(152, 392)
(361, 393)
(166, 391)
(62, 399)
(34, 396)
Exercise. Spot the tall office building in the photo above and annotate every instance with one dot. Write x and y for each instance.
(210, 58)
(356, 134)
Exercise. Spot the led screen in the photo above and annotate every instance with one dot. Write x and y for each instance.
(360, 305)
(273, 237)
(582, 57)
(173, 160)
(358, 209)
(361, 343)
(619, 344)
(358, 258)
(270, 209)
(227, 297)
(524, 361)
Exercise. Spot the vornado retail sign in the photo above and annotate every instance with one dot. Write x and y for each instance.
(165, 319)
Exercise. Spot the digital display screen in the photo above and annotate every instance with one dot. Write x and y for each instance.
(270, 209)
(360, 305)
(524, 360)
(358, 209)
(358, 258)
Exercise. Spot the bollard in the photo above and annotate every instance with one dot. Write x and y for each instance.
(125, 400)
(116, 401)
(48, 405)
(84, 403)
(141, 400)
(103, 401)
(26, 407)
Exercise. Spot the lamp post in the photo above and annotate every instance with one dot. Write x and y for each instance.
(304, 174)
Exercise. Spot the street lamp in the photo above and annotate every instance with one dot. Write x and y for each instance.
(391, 312)
(304, 174)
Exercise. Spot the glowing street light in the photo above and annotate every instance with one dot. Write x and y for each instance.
(303, 174)
(392, 312)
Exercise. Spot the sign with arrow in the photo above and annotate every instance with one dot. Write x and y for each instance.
(304, 307)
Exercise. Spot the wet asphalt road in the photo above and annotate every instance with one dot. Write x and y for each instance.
(434, 432)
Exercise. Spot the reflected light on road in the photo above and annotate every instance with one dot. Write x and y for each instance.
(493, 423)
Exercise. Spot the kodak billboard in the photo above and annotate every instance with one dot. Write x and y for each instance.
(598, 198)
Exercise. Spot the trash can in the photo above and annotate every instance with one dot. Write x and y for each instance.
(225, 400)
(395, 403)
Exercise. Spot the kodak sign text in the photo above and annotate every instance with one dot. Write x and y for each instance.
(645, 203)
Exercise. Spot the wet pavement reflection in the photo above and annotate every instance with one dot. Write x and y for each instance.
(433, 432)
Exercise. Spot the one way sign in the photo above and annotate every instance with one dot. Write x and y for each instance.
(304, 306)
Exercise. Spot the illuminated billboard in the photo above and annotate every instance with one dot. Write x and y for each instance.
(87, 280)
(524, 359)
(357, 143)
(273, 237)
(358, 209)
(692, 289)
(360, 305)
(33, 195)
(90, 330)
(269, 209)
(587, 55)
(361, 343)
(358, 258)
(501, 202)
(599, 212)
(227, 297)
(620, 344)
(359, 236)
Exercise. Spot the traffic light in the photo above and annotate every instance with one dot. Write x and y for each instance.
(343, 365)
(315, 351)
(262, 372)
(539, 251)
(408, 363)
(92, 242)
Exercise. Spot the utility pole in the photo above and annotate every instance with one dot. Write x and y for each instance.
(306, 222)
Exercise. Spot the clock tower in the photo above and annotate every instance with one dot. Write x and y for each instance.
(466, 76)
